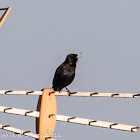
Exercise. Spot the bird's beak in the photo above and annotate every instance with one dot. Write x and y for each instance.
(78, 55)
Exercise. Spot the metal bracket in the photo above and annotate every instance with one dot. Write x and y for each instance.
(4, 16)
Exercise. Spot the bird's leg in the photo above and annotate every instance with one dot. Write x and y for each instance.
(58, 90)
(68, 91)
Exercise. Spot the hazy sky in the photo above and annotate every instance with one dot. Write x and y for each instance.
(34, 41)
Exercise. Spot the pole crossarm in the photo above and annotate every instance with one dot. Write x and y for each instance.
(97, 94)
(78, 94)
(18, 131)
(20, 92)
(71, 119)
(97, 123)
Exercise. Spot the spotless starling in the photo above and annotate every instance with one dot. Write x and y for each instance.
(65, 73)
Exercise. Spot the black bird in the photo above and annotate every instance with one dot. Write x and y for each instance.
(65, 73)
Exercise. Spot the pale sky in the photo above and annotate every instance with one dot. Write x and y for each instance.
(37, 36)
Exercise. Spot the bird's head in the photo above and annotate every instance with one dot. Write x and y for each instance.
(72, 58)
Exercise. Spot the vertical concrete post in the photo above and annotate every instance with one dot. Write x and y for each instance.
(48, 109)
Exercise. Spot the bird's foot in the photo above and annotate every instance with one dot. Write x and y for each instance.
(69, 92)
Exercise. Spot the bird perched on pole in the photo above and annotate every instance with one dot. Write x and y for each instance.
(65, 73)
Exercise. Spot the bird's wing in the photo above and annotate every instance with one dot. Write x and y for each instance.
(59, 77)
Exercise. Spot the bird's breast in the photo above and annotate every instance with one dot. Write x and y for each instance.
(69, 70)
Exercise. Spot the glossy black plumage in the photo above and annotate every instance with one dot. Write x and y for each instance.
(65, 73)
